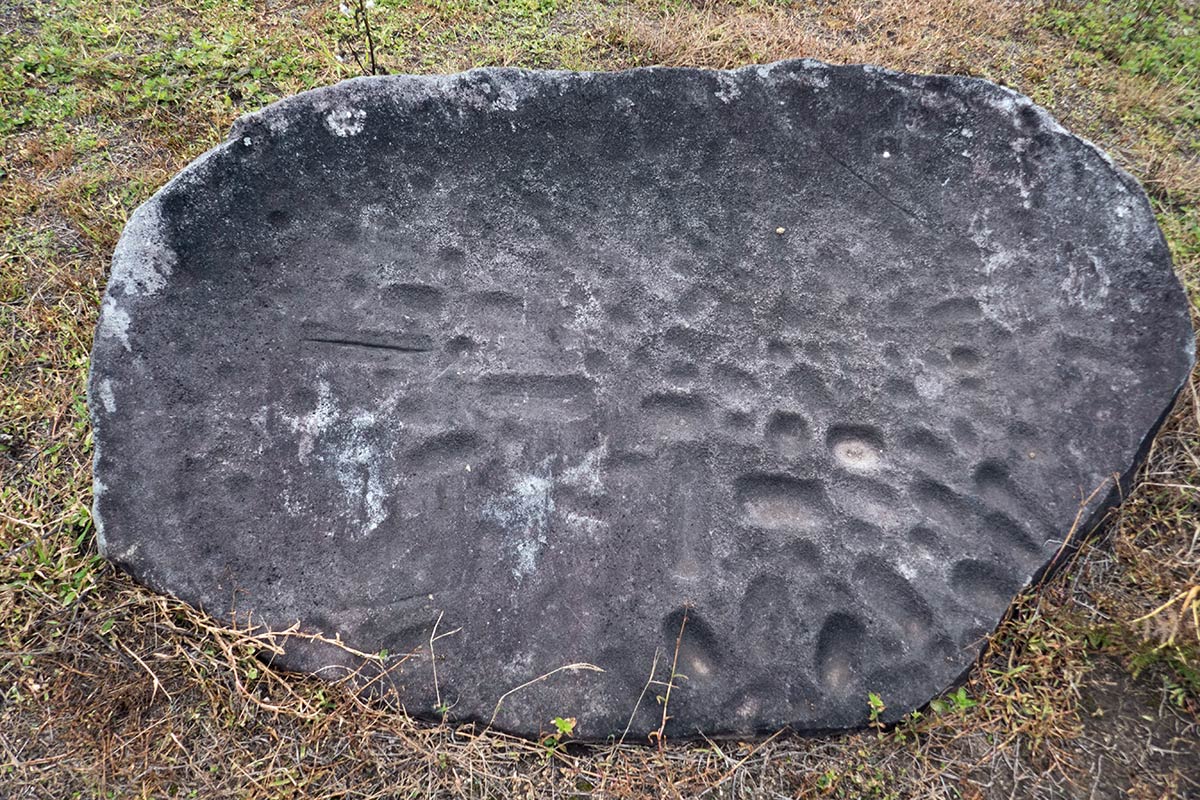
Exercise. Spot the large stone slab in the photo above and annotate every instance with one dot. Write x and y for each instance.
(827, 358)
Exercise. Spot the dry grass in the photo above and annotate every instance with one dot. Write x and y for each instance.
(953, 36)
(111, 691)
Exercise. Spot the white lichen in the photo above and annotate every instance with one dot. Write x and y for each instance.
(114, 322)
(142, 263)
(357, 468)
(587, 474)
(1086, 286)
(314, 423)
(524, 514)
(98, 490)
(143, 260)
(345, 442)
(586, 523)
(345, 122)
(106, 396)
(728, 89)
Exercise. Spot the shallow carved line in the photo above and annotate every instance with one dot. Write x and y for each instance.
(420, 344)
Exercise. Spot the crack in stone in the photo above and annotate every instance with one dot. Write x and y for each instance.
(874, 188)
(425, 345)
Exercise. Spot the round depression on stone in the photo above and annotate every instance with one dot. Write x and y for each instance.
(791, 376)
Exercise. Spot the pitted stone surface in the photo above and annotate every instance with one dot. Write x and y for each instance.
(824, 357)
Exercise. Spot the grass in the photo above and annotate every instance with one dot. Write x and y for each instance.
(111, 691)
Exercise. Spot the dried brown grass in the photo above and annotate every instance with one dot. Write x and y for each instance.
(952, 36)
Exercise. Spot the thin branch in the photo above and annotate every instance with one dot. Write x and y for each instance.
(578, 666)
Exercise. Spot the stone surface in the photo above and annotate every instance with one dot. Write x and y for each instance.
(827, 356)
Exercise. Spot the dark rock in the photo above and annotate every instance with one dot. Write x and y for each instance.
(825, 358)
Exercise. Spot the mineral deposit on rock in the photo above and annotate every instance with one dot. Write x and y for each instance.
(825, 359)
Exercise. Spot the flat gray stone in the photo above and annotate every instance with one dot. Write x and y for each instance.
(828, 357)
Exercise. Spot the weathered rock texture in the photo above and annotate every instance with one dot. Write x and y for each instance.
(828, 356)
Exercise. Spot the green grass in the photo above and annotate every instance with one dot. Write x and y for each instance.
(1159, 39)
(110, 691)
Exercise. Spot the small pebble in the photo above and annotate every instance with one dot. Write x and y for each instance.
(780, 231)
